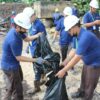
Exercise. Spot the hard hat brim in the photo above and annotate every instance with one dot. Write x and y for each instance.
(25, 27)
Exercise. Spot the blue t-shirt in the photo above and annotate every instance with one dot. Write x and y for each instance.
(74, 11)
(74, 43)
(65, 37)
(56, 17)
(36, 27)
(89, 17)
(88, 48)
(11, 48)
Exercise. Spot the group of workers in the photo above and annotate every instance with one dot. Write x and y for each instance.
(70, 30)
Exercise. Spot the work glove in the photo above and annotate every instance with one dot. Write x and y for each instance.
(41, 61)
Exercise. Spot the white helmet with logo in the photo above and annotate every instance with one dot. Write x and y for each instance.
(94, 4)
(22, 20)
(70, 21)
(67, 11)
(28, 11)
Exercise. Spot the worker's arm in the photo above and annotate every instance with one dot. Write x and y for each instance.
(96, 22)
(69, 57)
(16, 49)
(89, 24)
(38, 60)
(31, 38)
(25, 59)
(70, 64)
(55, 36)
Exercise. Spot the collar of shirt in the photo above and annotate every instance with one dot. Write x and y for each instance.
(35, 21)
(80, 33)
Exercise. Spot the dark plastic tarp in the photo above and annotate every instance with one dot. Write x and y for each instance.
(56, 90)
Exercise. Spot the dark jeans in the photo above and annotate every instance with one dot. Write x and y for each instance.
(21, 73)
(64, 50)
(37, 71)
(14, 85)
(89, 80)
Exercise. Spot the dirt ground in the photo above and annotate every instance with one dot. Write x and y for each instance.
(72, 80)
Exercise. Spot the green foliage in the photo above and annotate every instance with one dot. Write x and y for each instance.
(10, 0)
(82, 6)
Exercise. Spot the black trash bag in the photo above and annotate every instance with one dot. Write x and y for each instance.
(56, 87)
(56, 90)
(44, 50)
(54, 60)
(43, 47)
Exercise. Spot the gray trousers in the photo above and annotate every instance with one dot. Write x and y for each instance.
(89, 80)
(14, 85)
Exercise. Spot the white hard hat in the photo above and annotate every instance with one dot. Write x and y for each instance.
(70, 21)
(22, 20)
(94, 4)
(28, 11)
(67, 11)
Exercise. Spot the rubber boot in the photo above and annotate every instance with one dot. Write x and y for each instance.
(36, 87)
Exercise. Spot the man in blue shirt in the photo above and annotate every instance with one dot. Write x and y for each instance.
(90, 54)
(36, 27)
(64, 39)
(91, 19)
(75, 10)
(56, 16)
(11, 56)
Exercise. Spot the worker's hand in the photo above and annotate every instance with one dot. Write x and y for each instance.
(97, 22)
(40, 33)
(40, 60)
(61, 74)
